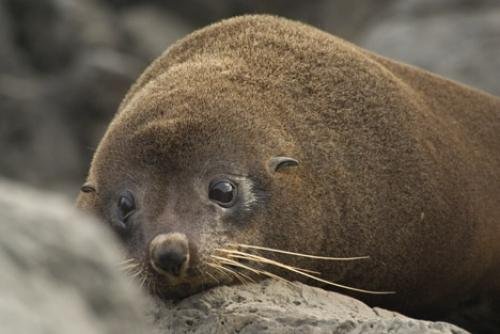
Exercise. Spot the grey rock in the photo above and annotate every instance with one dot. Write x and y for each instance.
(59, 270)
(459, 44)
(9, 60)
(415, 8)
(74, 65)
(277, 307)
(348, 18)
(52, 32)
(151, 30)
(34, 141)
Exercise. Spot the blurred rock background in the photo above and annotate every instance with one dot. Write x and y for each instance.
(66, 64)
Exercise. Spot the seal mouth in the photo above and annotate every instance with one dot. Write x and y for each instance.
(165, 285)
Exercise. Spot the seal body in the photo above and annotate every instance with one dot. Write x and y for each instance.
(394, 163)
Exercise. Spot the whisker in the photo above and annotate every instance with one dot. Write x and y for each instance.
(277, 277)
(248, 278)
(235, 274)
(237, 264)
(256, 258)
(256, 271)
(243, 255)
(129, 267)
(153, 286)
(203, 278)
(139, 272)
(223, 269)
(126, 261)
(143, 280)
(216, 267)
(301, 254)
(229, 261)
(212, 277)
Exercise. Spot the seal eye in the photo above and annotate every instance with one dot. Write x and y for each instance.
(126, 205)
(222, 192)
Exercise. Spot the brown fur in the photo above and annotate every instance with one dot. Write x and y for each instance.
(395, 162)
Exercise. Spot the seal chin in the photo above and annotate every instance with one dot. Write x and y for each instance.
(172, 278)
(178, 288)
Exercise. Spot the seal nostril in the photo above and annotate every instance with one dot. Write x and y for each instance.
(171, 261)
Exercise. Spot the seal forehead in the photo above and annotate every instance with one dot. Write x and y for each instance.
(196, 89)
(196, 104)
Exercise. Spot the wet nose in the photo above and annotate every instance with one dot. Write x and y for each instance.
(171, 261)
(169, 253)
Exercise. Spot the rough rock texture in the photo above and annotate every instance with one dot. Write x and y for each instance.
(459, 39)
(59, 272)
(64, 67)
(277, 307)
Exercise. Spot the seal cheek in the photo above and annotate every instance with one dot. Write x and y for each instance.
(169, 254)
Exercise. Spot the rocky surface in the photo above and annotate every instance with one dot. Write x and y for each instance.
(59, 270)
(458, 39)
(277, 307)
(63, 71)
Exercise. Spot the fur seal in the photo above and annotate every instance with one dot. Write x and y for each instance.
(260, 147)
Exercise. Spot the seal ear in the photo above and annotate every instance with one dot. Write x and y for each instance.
(276, 164)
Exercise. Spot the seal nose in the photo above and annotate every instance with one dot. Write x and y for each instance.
(171, 261)
(169, 253)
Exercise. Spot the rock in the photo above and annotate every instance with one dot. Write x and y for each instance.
(345, 18)
(277, 307)
(418, 8)
(456, 38)
(59, 270)
(52, 32)
(35, 142)
(151, 30)
(348, 19)
(64, 68)
(9, 62)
